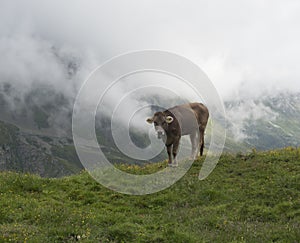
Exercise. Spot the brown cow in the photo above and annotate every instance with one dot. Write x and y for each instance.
(188, 119)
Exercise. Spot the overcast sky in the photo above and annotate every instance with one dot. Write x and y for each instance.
(245, 47)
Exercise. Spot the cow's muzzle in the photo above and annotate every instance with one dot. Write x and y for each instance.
(160, 134)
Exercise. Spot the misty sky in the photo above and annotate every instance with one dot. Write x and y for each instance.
(245, 47)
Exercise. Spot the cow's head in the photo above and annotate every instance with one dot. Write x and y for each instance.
(160, 121)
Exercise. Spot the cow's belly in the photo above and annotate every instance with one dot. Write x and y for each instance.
(186, 130)
(186, 119)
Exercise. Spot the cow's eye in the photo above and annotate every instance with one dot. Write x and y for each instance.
(155, 124)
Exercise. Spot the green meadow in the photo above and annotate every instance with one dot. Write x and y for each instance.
(252, 197)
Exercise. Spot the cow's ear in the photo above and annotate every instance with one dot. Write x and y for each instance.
(169, 119)
(150, 120)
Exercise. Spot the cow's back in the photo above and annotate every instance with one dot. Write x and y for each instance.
(190, 116)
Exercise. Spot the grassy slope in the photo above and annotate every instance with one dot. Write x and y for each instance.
(247, 198)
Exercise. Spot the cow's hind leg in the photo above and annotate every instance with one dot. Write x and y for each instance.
(201, 136)
(194, 142)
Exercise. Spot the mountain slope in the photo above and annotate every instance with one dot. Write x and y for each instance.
(266, 123)
(43, 155)
(36, 132)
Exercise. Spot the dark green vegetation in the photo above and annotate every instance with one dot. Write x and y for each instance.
(247, 198)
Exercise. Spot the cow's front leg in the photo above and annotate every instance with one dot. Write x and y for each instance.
(169, 150)
(175, 150)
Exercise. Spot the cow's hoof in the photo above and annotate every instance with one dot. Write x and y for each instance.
(170, 164)
(175, 165)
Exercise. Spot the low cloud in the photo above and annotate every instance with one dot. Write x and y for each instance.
(248, 49)
(242, 112)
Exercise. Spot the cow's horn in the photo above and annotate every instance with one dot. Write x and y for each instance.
(150, 120)
(169, 119)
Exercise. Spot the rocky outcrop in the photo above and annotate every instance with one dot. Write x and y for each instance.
(37, 154)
